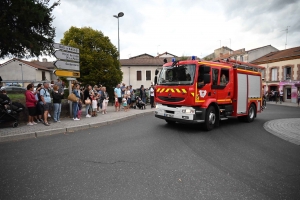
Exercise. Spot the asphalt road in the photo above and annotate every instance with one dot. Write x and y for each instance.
(144, 158)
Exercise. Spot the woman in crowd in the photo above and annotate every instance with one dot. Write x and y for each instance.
(143, 93)
(56, 103)
(87, 95)
(105, 100)
(30, 104)
(76, 91)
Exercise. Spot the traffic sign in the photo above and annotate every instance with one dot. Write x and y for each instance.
(66, 65)
(65, 48)
(66, 73)
(66, 56)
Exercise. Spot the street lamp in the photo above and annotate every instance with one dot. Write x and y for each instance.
(120, 14)
(22, 74)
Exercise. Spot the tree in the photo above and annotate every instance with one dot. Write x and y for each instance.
(26, 28)
(99, 62)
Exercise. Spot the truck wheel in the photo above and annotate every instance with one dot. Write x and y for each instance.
(210, 118)
(251, 114)
(170, 122)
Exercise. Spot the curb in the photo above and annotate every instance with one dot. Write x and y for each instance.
(287, 137)
(36, 134)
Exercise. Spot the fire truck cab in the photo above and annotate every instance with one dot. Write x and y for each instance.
(194, 91)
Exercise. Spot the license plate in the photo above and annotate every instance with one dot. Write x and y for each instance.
(169, 115)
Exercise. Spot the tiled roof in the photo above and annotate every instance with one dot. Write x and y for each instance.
(261, 47)
(165, 53)
(32, 64)
(48, 65)
(143, 62)
(148, 61)
(145, 55)
(287, 54)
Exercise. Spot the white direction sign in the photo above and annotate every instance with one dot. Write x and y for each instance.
(66, 56)
(66, 65)
(65, 48)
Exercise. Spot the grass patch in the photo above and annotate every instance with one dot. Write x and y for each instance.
(19, 97)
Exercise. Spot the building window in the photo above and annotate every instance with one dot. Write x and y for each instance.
(241, 58)
(148, 75)
(274, 74)
(262, 73)
(287, 73)
(43, 75)
(139, 75)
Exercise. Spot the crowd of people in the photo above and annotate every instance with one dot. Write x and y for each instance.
(47, 98)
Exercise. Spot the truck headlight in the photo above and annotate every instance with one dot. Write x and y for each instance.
(190, 111)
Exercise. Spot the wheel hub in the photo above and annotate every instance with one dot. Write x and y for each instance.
(212, 118)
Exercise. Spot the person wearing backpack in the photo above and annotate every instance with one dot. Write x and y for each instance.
(56, 103)
(46, 100)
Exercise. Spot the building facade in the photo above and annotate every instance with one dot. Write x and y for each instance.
(247, 56)
(282, 72)
(23, 72)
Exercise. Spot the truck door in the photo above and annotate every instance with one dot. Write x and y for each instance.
(215, 82)
(224, 89)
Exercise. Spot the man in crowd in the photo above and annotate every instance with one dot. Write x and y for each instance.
(151, 96)
(118, 93)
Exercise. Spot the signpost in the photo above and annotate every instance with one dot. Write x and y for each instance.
(68, 69)
(65, 48)
(65, 73)
(66, 56)
(66, 65)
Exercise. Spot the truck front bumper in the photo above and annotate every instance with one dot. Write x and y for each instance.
(182, 114)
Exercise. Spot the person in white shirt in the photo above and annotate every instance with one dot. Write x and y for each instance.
(151, 96)
(281, 96)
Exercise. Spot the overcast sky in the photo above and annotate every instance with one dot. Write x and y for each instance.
(184, 27)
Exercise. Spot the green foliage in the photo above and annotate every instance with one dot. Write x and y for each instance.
(207, 58)
(183, 57)
(26, 28)
(99, 62)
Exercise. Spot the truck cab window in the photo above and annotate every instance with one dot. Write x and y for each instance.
(215, 76)
(224, 77)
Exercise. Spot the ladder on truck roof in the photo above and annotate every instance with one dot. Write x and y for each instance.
(242, 65)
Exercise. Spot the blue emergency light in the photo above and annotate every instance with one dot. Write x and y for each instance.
(193, 57)
(173, 59)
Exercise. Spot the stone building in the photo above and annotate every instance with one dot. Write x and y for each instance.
(282, 72)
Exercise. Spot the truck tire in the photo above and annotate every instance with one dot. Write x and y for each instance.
(210, 118)
(170, 121)
(251, 114)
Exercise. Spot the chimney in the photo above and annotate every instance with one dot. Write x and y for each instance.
(44, 59)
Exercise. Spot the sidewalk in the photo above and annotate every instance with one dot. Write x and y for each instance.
(69, 125)
(282, 104)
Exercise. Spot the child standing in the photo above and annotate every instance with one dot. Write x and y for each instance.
(79, 109)
(124, 102)
(94, 106)
(116, 103)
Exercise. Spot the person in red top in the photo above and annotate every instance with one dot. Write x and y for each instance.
(30, 104)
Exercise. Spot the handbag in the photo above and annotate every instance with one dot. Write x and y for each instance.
(87, 101)
(72, 97)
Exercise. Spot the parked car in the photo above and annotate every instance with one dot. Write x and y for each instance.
(15, 89)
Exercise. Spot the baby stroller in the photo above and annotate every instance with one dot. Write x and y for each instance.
(139, 103)
(10, 112)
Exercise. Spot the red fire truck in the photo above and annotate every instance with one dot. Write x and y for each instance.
(194, 91)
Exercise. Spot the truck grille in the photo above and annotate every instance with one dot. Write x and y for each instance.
(171, 99)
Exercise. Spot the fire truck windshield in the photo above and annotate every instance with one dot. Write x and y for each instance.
(177, 75)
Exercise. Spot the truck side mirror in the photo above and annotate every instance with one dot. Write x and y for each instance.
(156, 72)
(155, 80)
(206, 78)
